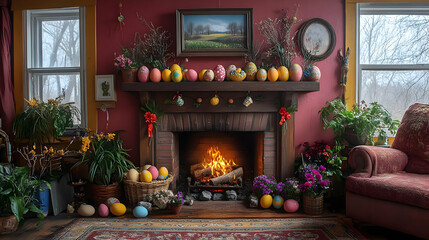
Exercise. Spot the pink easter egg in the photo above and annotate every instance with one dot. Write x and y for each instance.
(155, 75)
(103, 210)
(291, 206)
(192, 75)
(295, 72)
(154, 172)
(143, 74)
(219, 73)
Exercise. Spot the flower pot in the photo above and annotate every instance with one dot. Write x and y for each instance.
(100, 193)
(352, 138)
(175, 209)
(312, 204)
(43, 197)
(129, 75)
(8, 224)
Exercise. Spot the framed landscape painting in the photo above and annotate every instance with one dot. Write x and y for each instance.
(214, 32)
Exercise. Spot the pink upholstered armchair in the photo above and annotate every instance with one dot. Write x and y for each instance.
(390, 186)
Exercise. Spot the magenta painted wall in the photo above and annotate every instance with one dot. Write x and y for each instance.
(111, 36)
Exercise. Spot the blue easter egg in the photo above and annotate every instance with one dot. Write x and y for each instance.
(160, 177)
(140, 212)
(278, 202)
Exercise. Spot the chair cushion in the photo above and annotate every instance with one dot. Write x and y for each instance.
(402, 187)
(413, 138)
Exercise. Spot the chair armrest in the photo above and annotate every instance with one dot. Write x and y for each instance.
(371, 160)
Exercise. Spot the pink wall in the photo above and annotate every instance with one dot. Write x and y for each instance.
(110, 37)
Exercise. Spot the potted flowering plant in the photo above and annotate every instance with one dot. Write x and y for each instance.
(264, 185)
(291, 190)
(162, 198)
(126, 65)
(176, 203)
(313, 187)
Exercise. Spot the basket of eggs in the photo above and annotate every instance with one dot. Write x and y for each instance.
(149, 180)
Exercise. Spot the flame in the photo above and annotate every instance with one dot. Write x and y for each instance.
(218, 163)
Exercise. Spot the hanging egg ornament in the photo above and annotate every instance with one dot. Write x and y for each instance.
(250, 70)
(219, 73)
(261, 75)
(214, 100)
(179, 101)
(248, 101)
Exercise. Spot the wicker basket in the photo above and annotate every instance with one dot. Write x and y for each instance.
(312, 205)
(8, 224)
(100, 193)
(137, 191)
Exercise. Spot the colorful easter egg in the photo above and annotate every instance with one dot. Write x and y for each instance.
(160, 177)
(133, 175)
(201, 75)
(118, 209)
(214, 100)
(295, 73)
(315, 74)
(176, 75)
(86, 210)
(175, 67)
(103, 210)
(273, 74)
(166, 75)
(250, 70)
(266, 201)
(191, 75)
(154, 172)
(261, 75)
(229, 69)
(145, 167)
(209, 75)
(155, 75)
(278, 202)
(283, 73)
(291, 205)
(163, 171)
(219, 73)
(237, 75)
(111, 200)
(145, 176)
(143, 74)
(140, 212)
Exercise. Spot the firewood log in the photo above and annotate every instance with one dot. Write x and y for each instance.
(227, 178)
(205, 172)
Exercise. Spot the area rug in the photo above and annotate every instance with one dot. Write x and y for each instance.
(193, 229)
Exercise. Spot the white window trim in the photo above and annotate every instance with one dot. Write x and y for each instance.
(27, 36)
(385, 9)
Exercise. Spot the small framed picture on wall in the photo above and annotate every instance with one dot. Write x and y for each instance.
(105, 88)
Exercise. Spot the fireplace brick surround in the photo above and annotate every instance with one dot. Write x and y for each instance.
(276, 147)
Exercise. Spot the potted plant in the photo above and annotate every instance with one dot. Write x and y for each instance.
(313, 186)
(126, 64)
(176, 203)
(45, 121)
(359, 124)
(107, 163)
(17, 191)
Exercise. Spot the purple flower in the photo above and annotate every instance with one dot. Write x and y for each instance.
(315, 172)
(324, 183)
(322, 168)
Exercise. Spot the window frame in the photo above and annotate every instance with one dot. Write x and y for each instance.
(384, 9)
(32, 30)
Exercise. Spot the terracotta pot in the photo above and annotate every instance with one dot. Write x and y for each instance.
(100, 193)
(175, 209)
(8, 224)
(129, 75)
(312, 204)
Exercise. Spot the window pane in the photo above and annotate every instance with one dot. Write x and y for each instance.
(394, 39)
(49, 86)
(60, 43)
(395, 90)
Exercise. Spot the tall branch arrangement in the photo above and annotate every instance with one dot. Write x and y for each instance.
(280, 40)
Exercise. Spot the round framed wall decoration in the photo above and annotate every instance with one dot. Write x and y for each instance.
(316, 38)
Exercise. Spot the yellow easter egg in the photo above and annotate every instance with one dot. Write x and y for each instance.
(273, 74)
(145, 176)
(283, 73)
(201, 75)
(266, 201)
(176, 76)
(175, 67)
(118, 209)
(214, 100)
(163, 171)
(166, 75)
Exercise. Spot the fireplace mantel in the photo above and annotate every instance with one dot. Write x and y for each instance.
(253, 86)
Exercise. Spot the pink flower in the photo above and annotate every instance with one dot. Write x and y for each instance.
(307, 184)
(322, 168)
(324, 183)
(315, 172)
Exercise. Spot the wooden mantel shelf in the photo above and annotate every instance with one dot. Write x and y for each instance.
(222, 86)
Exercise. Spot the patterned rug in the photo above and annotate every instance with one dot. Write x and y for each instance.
(193, 229)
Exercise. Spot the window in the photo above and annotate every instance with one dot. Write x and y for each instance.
(393, 55)
(55, 56)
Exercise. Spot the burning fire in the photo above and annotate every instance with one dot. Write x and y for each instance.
(218, 163)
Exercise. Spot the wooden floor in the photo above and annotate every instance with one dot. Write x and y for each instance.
(200, 210)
